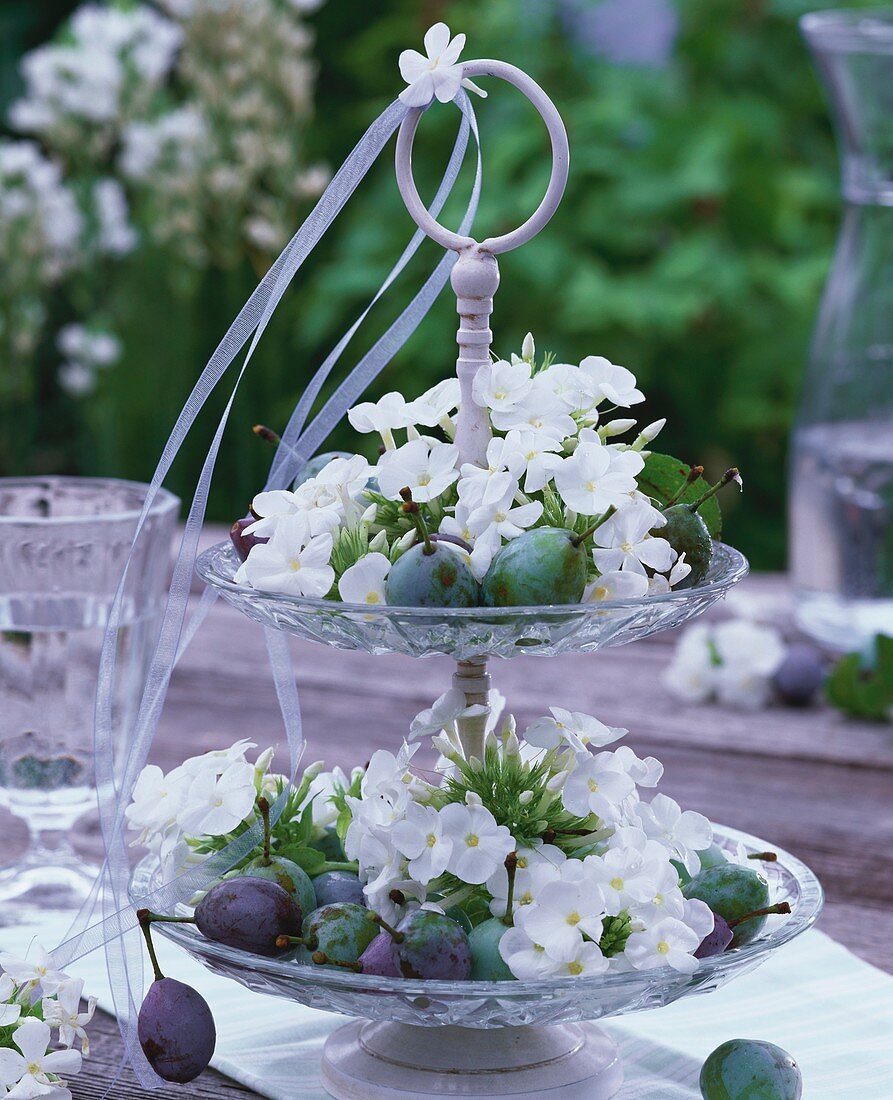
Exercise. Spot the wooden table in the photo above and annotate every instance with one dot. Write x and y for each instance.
(809, 780)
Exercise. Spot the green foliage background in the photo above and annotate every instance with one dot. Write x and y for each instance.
(691, 246)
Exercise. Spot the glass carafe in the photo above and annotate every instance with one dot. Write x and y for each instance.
(841, 488)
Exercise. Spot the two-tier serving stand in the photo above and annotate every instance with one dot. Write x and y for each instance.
(483, 1039)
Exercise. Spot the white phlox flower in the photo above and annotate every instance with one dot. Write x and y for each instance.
(420, 837)
(596, 477)
(26, 1070)
(572, 728)
(669, 943)
(610, 382)
(541, 413)
(293, 562)
(426, 467)
(561, 916)
(384, 416)
(436, 406)
(479, 844)
(36, 973)
(501, 386)
(536, 869)
(64, 1012)
(363, 582)
(595, 786)
(504, 518)
(682, 833)
(215, 805)
(616, 585)
(526, 959)
(534, 454)
(624, 541)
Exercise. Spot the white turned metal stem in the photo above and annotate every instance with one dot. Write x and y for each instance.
(476, 273)
(472, 678)
(475, 279)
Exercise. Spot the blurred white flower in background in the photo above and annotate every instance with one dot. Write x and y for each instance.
(731, 662)
(86, 352)
(179, 128)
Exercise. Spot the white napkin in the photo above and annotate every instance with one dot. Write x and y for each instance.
(830, 1010)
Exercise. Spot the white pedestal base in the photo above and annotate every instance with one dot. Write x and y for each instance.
(375, 1061)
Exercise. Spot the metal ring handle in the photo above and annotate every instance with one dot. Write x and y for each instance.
(560, 164)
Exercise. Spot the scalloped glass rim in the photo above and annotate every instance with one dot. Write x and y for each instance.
(805, 895)
(217, 566)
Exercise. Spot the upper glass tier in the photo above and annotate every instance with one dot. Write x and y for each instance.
(468, 632)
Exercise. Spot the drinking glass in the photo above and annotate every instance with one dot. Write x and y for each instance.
(63, 545)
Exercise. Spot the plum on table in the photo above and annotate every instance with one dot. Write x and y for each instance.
(750, 1069)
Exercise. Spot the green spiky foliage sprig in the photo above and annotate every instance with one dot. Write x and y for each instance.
(291, 836)
(503, 781)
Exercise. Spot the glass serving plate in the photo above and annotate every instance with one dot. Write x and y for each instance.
(467, 632)
(484, 1005)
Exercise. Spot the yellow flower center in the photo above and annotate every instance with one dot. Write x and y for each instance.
(663, 947)
(34, 1069)
(472, 840)
(590, 486)
(616, 883)
(526, 898)
(575, 968)
(425, 479)
(574, 918)
(593, 786)
(373, 597)
(294, 565)
(431, 840)
(626, 547)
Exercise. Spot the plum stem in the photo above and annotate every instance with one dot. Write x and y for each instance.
(770, 910)
(310, 942)
(264, 806)
(511, 866)
(396, 936)
(765, 857)
(691, 477)
(146, 919)
(322, 959)
(729, 475)
(146, 928)
(578, 539)
(412, 510)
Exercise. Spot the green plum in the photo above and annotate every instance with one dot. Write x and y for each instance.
(341, 931)
(487, 965)
(714, 856)
(748, 1069)
(292, 878)
(544, 566)
(733, 891)
(431, 575)
(316, 464)
(687, 533)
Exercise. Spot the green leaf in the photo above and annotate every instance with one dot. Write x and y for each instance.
(661, 479)
(861, 692)
(309, 859)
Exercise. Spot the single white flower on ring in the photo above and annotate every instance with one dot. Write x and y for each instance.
(439, 75)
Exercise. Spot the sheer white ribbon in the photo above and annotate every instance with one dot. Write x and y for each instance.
(116, 777)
